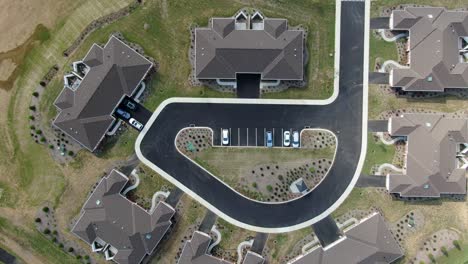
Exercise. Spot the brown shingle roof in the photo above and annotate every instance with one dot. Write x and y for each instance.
(110, 216)
(370, 241)
(86, 113)
(275, 52)
(431, 163)
(434, 40)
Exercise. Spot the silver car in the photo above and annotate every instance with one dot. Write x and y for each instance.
(295, 139)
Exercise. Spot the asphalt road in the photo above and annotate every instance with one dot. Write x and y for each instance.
(326, 231)
(343, 117)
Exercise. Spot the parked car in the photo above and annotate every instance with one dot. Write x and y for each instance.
(136, 124)
(286, 138)
(295, 139)
(269, 139)
(122, 113)
(131, 105)
(225, 136)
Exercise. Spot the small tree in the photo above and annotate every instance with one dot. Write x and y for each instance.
(431, 257)
(45, 209)
(254, 184)
(60, 245)
(70, 153)
(86, 257)
(35, 94)
(31, 117)
(32, 127)
(37, 220)
(54, 232)
(269, 188)
(456, 244)
(70, 249)
(47, 231)
(43, 139)
(32, 108)
(78, 257)
(38, 131)
(51, 146)
(444, 250)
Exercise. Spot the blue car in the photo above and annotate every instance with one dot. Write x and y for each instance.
(269, 139)
(123, 114)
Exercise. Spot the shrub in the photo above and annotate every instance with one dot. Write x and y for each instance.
(31, 117)
(60, 245)
(254, 184)
(32, 127)
(43, 139)
(312, 169)
(78, 257)
(51, 146)
(70, 249)
(38, 131)
(86, 257)
(431, 257)
(70, 153)
(46, 231)
(54, 239)
(269, 188)
(35, 94)
(37, 220)
(32, 108)
(444, 250)
(45, 209)
(456, 244)
(54, 232)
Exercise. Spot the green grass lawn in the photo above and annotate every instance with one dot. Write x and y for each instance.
(377, 153)
(455, 256)
(37, 242)
(379, 48)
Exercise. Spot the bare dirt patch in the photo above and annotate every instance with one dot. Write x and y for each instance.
(6, 69)
(19, 18)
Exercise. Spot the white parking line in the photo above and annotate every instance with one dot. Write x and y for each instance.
(230, 137)
(264, 137)
(247, 136)
(282, 137)
(273, 138)
(256, 138)
(221, 136)
(238, 136)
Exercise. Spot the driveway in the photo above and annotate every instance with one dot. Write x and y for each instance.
(344, 117)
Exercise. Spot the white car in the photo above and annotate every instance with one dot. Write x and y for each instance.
(295, 139)
(286, 138)
(136, 124)
(225, 134)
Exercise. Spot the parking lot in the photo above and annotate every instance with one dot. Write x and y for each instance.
(253, 137)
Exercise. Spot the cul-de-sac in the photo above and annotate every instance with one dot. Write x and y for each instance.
(234, 132)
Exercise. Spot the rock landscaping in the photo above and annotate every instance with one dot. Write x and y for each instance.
(46, 224)
(407, 225)
(437, 245)
(267, 182)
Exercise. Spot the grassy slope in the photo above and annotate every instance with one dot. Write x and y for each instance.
(377, 153)
(243, 159)
(37, 242)
(438, 213)
(455, 256)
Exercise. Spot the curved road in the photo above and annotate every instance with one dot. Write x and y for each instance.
(155, 145)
